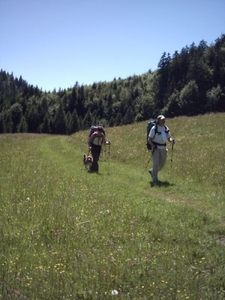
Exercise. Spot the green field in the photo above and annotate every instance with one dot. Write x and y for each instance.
(69, 234)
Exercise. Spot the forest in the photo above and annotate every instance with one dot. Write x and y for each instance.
(190, 82)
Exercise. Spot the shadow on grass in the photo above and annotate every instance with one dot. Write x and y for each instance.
(97, 173)
(161, 184)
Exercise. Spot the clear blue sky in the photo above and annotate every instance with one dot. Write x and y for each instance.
(54, 43)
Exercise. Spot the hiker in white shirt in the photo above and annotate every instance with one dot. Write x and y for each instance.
(157, 138)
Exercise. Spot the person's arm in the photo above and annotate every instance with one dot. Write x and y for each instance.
(91, 139)
(151, 142)
(171, 140)
(106, 142)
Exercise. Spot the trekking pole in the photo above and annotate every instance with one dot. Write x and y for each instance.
(171, 161)
(104, 153)
(145, 167)
(108, 158)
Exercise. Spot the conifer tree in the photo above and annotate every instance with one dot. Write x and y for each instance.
(8, 122)
(22, 125)
(60, 120)
(2, 124)
(188, 101)
(16, 111)
(74, 122)
(129, 116)
(45, 128)
(32, 119)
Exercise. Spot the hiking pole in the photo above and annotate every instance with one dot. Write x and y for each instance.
(145, 167)
(109, 157)
(104, 153)
(171, 161)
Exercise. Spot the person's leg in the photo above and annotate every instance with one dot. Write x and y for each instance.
(162, 158)
(155, 169)
(94, 167)
(95, 151)
(98, 152)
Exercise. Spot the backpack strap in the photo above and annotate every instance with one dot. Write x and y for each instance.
(166, 129)
(156, 130)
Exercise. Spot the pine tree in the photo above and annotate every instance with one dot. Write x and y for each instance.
(2, 124)
(74, 122)
(33, 119)
(60, 120)
(45, 128)
(22, 125)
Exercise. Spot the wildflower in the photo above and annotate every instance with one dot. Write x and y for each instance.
(16, 292)
(114, 292)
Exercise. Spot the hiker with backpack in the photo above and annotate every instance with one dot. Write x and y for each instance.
(96, 139)
(158, 135)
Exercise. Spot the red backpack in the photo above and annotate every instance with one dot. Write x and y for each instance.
(94, 128)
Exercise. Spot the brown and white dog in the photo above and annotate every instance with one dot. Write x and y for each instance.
(87, 160)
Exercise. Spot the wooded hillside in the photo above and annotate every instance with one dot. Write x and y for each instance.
(189, 82)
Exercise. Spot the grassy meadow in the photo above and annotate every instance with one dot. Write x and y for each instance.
(69, 234)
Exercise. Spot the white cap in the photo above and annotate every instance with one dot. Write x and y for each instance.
(160, 117)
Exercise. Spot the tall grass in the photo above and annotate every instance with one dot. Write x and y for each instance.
(69, 234)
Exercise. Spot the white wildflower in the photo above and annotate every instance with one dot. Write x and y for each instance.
(114, 292)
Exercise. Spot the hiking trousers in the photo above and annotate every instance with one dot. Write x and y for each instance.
(95, 152)
(159, 159)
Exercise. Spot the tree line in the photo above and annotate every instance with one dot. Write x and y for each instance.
(190, 82)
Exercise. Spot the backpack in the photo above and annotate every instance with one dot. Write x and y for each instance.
(150, 124)
(94, 128)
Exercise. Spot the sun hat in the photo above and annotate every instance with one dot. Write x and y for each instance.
(161, 117)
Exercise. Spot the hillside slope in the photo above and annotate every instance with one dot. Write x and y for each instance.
(81, 235)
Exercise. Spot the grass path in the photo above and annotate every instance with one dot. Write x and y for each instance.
(73, 232)
(133, 180)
